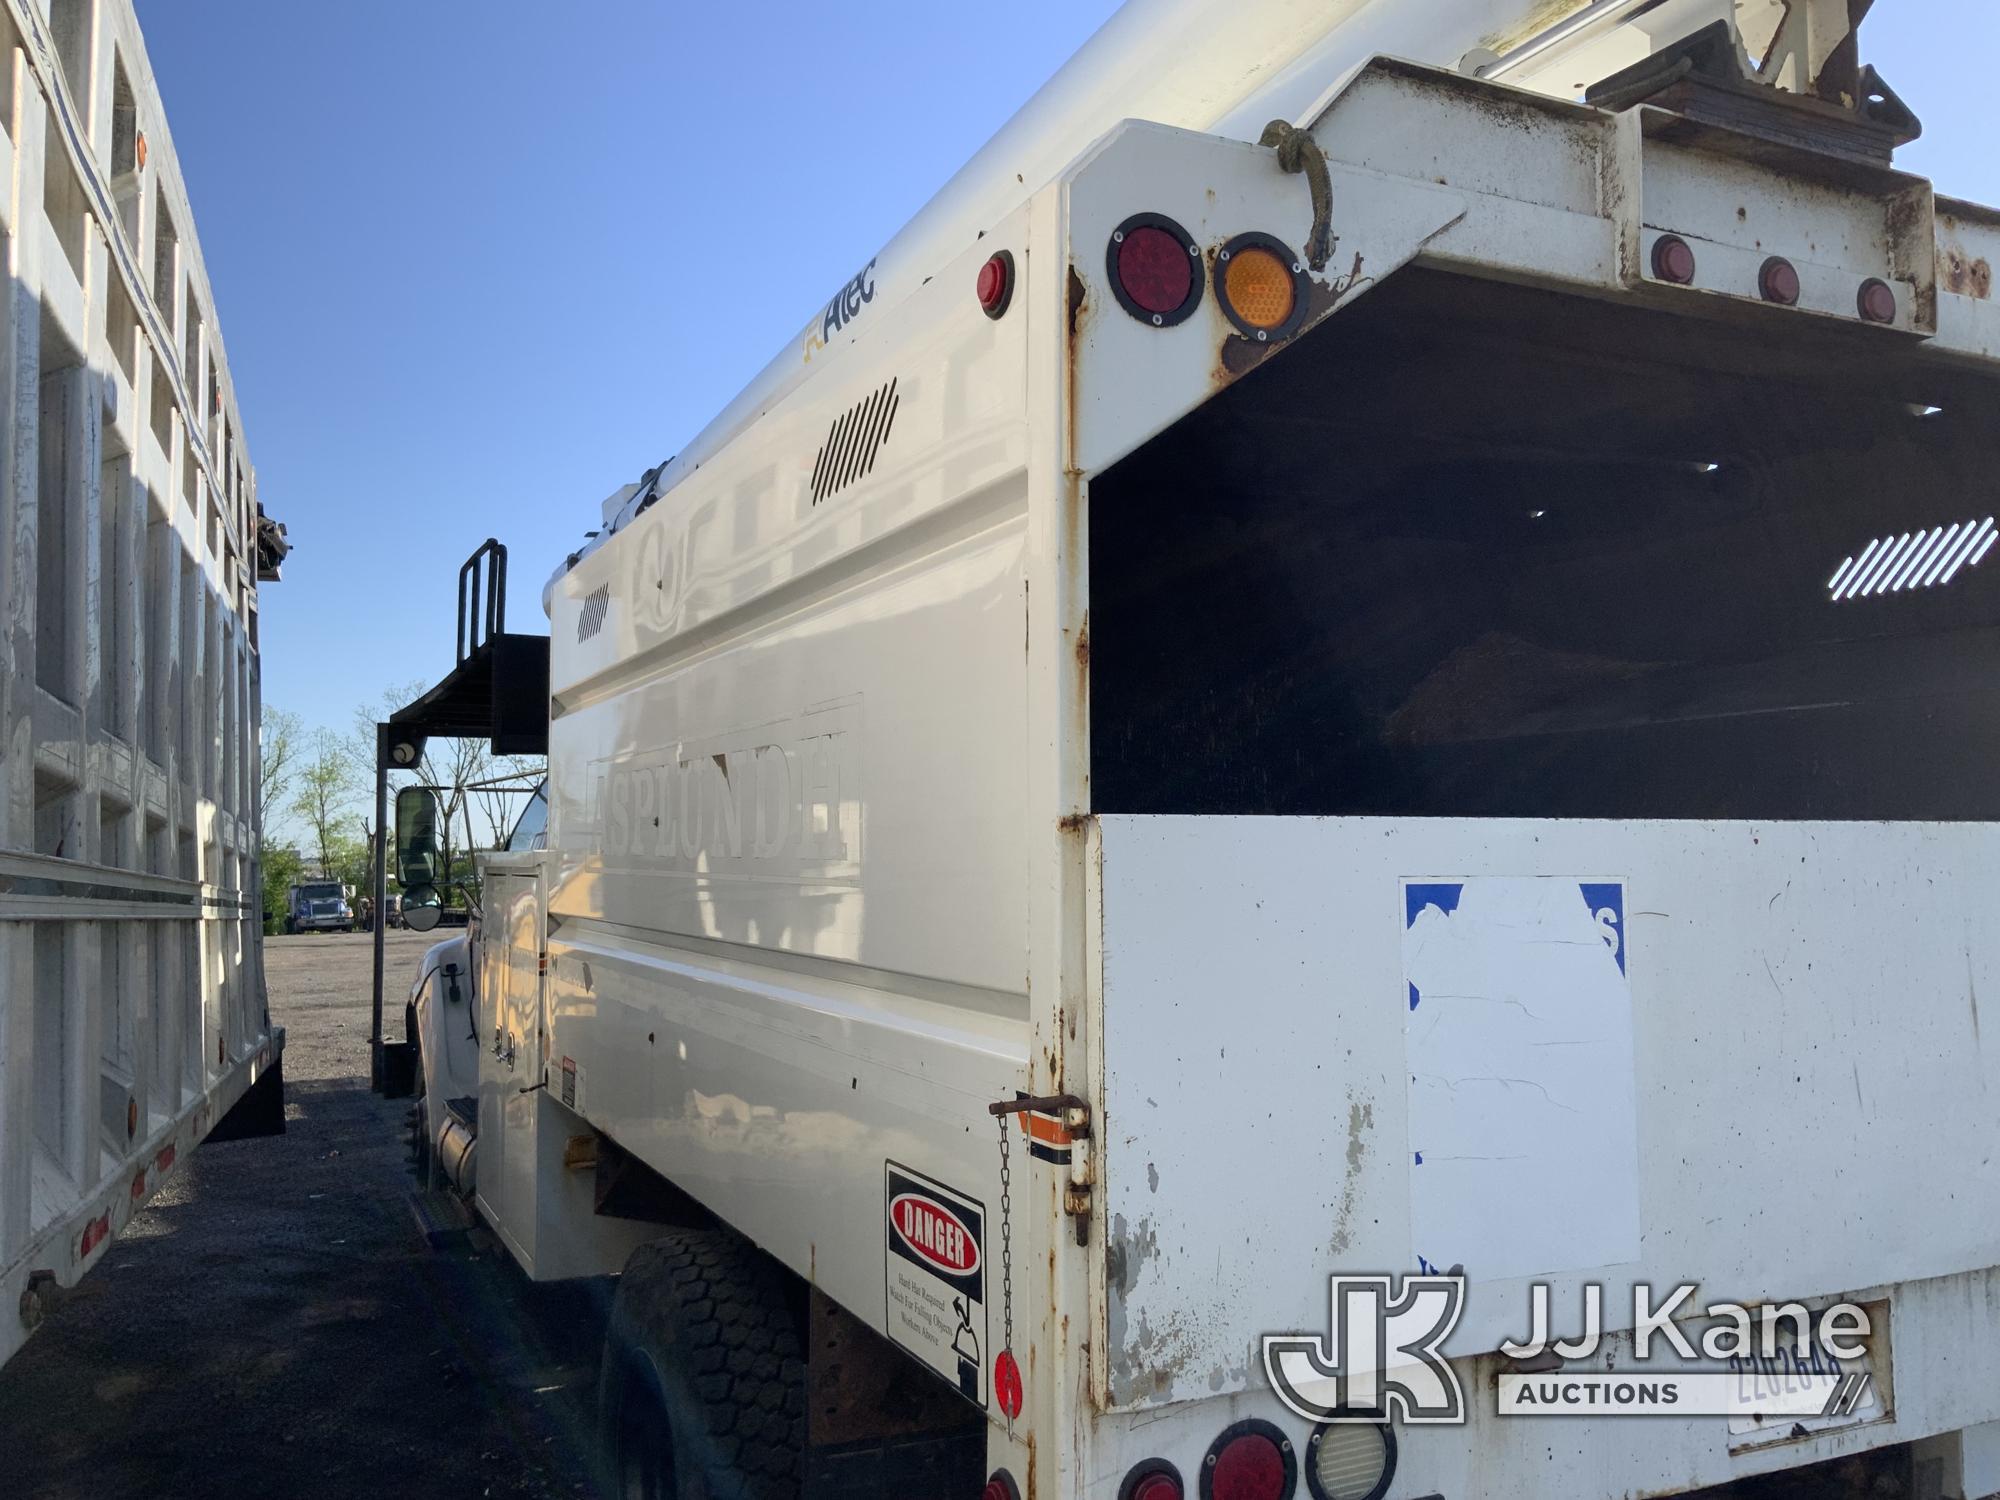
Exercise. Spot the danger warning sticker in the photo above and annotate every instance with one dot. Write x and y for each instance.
(935, 1277)
(569, 1084)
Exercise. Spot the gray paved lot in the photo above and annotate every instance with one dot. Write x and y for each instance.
(278, 1322)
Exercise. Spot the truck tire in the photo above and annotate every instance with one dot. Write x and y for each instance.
(701, 1395)
(419, 1117)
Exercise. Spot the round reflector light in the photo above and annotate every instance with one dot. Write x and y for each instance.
(1155, 269)
(1778, 281)
(1673, 260)
(1350, 1461)
(1155, 272)
(1250, 1461)
(1152, 1479)
(1262, 286)
(1001, 1487)
(1877, 301)
(995, 287)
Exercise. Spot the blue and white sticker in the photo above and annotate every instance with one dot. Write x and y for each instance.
(1522, 1092)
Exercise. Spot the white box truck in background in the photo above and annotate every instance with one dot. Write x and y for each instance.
(1400, 693)
(132, 1018)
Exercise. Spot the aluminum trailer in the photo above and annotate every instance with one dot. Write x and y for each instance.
(1365, 653)
(132, 1017)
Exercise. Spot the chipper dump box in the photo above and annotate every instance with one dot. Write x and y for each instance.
(1344, 706)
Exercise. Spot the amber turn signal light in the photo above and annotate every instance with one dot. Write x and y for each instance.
(1263, 286)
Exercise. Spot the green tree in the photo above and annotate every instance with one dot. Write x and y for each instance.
(281, 738)
(281, 867)
(353, 864)
(326, 781)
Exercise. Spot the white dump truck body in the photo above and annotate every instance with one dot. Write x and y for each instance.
(132, 1011)
(1483, 779)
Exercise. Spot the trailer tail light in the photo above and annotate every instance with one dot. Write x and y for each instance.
(1778, 281)
(1673, 260)
(995, 287)
(1876, 301)
(1152, 1479)
(1350, 1461)
(1250, 1461)
(1262, 286)
(1155, 269)
(1001, 1487)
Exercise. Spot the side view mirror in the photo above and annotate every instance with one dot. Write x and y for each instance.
(419, 840)
(423, 909)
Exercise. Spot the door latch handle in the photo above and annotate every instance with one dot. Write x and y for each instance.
(1074, 1113)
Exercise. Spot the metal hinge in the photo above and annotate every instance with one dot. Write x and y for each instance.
(1074, 1114)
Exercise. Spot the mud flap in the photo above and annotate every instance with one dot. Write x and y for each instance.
(399, 1070)
(261, 1110)
(879, 1422)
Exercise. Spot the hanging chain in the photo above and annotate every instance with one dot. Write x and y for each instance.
(1006, 1236)
(1006, 1369)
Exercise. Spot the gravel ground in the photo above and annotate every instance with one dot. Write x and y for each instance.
(289, 1317)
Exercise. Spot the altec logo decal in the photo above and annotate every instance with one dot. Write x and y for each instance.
(843, 309)
(935, 1233)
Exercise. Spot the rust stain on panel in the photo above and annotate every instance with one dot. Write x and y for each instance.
(1360, 1120)
(1077, 306)
(1964, 274)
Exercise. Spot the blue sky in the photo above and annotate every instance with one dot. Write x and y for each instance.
(474, 270)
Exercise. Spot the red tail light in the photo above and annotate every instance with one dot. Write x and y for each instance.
(1778, 281)
(1152, 1479)
(1673, 260)
(1000, 1487)
(1250, 1461)
(995, 288)
(1249, 1468)
(1155, 269)
(1155, 272)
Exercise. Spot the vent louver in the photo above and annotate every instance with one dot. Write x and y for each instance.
(596, 604)
(853, 441)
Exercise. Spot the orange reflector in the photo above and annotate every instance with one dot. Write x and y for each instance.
(1258, 287)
